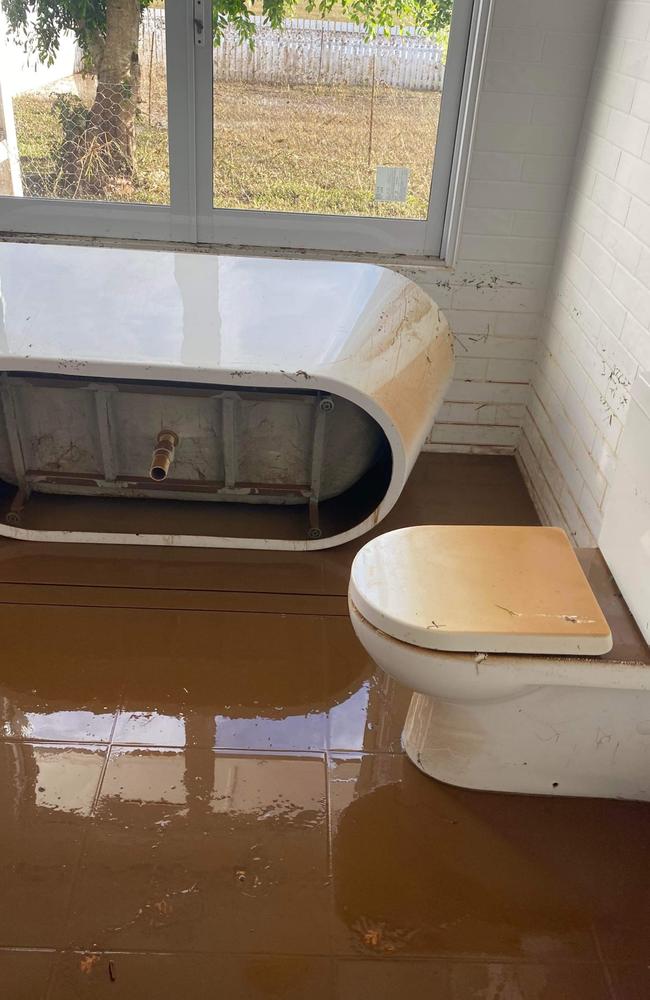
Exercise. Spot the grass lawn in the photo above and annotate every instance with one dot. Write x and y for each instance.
(40, 140)
(300, 149)
(305, 149)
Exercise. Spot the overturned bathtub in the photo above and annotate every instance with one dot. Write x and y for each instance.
(253, 402)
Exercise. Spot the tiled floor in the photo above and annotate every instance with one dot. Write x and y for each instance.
(202, 795)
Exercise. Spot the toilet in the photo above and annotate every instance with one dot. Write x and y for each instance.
(519, 684)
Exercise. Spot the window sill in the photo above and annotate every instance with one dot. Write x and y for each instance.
(394, 261)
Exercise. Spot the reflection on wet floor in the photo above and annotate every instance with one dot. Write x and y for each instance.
(212, 801)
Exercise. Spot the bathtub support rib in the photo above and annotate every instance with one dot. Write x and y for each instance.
(103, 411)
(13, 432)
(14, 515)
(229, 402)
(324, 405)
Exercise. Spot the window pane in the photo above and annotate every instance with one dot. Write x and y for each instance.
(317, 117)
(82, 128)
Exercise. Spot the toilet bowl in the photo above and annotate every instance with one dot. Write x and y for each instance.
(517, 684)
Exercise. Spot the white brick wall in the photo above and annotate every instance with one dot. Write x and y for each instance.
(596, 331)
(539, 61)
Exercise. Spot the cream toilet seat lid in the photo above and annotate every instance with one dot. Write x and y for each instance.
(476, 588)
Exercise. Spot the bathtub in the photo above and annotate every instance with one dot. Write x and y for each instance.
(293, 396)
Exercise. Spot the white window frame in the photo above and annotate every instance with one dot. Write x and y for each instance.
(190, 216)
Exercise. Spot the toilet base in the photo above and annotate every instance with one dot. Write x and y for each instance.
(543, 741)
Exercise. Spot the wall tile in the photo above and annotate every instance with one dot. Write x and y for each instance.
(543, 224)
(628, 132)
(597, 326)
(538, 68)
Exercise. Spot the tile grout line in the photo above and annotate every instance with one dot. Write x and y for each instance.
(168, 590)
(52, 973)
(328, 815)
(330, 855)
(607, 976)
(239, 751)
(100, 781)
(404, 959)
(174, 610)
(109, 747)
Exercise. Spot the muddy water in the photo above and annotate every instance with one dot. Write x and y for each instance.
(202, 794)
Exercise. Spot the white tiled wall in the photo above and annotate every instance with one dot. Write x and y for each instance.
(539, 61)
(596, 332)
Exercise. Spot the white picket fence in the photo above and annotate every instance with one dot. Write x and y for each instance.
(313, 51)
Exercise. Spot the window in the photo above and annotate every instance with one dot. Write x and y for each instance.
(316, 137)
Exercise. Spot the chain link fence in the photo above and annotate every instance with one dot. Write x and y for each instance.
(80, 140)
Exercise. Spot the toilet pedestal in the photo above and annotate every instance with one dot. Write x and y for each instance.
(545, 741)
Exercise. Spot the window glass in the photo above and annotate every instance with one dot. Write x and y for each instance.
(86, 117)
(318, 116)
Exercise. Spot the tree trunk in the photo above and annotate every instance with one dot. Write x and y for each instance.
(111, 125)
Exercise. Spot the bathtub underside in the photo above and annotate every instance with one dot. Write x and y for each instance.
(75, 455)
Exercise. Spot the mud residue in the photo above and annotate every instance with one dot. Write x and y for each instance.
(415, 390)
(397, 320)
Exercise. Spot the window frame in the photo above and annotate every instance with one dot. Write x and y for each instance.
(190, 216)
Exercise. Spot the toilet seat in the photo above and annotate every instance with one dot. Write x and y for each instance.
(469, 588)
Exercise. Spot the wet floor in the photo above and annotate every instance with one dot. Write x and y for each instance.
(202, 795)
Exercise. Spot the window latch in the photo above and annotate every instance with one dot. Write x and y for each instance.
(199, 25)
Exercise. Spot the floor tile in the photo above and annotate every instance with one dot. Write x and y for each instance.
(442, 489)
(162, 568)
(458, 489)
(386, 980)
(24, 975)
(168, 599)
(196, 977)
(205, 851)
(61, 673)
(231, 681)
(46, 797)
(615, 859)
(370, 706)
(420, 868)
(630, 981)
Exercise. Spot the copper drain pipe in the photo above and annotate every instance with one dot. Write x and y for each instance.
(163, 455)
